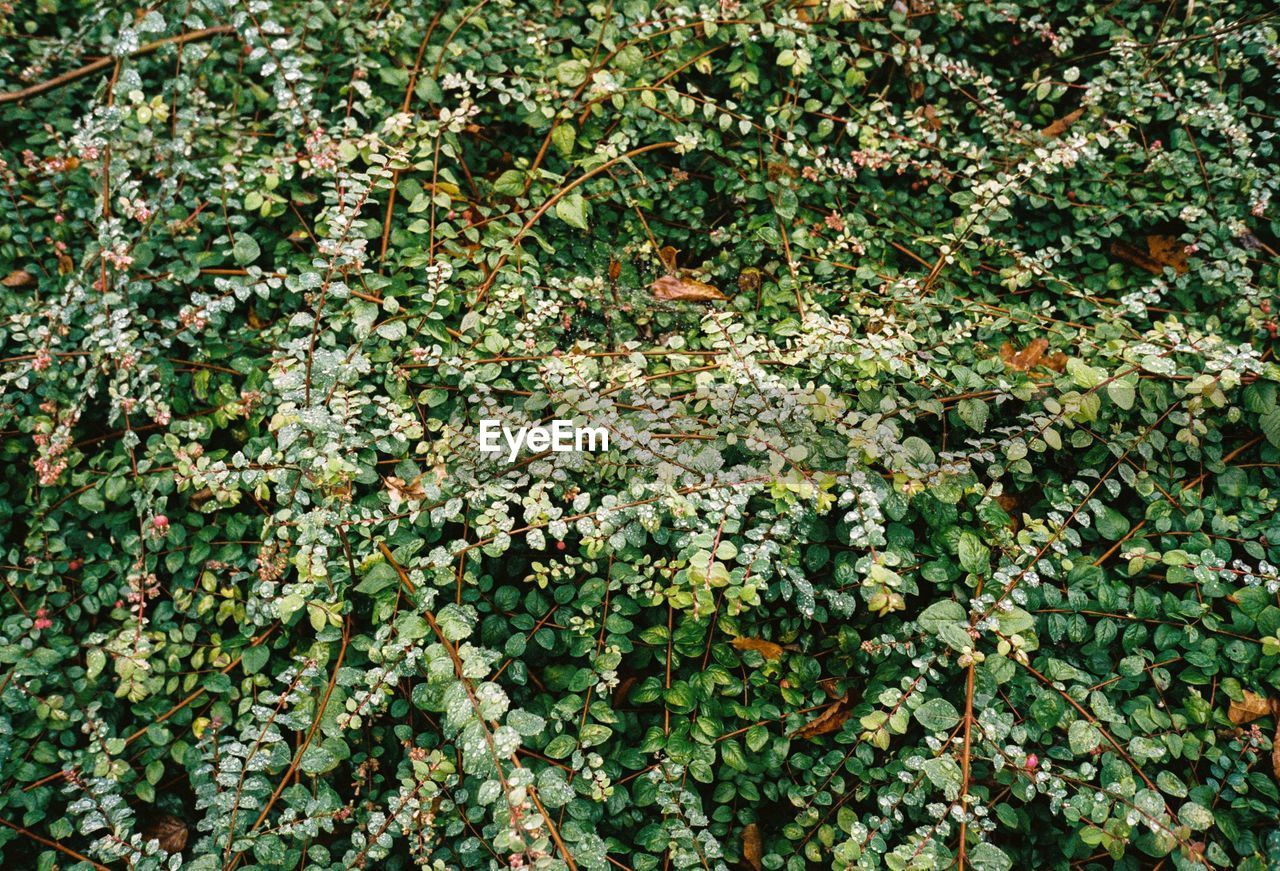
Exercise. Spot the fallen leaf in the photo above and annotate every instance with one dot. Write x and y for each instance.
(1275, 746)
(1169, 251)
(1027, 358)
(1249, 709)
(667, 255)
(749, 280)
(1061, 125)
(1009, 503)
(18, 278)
(830, 720)
(767, 649)
(170, 831)
(624, 687)
(915, 88)
(828, 686)
(1161, 251)
(931, 119)
(753, 847)
(670, 287)
(807, 10)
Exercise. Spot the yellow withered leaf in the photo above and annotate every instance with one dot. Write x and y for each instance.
(1250, 708)
(18, 278)
(767, 649)
(830, 720)
(673, 288)
(1061, 125)
(753, 847)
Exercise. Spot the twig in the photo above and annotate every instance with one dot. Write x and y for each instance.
(54, 844)
(103, 63)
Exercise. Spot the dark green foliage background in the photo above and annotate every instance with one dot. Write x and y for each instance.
(991, 606)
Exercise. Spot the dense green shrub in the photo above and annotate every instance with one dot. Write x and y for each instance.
(942, 532)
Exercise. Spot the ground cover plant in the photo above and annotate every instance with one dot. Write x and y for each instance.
(935, 340)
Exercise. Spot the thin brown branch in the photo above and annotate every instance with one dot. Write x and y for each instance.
(103, 63)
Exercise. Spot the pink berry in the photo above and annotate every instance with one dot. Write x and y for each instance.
(160, 522)
(1032, 761)
(560, 545)
(75, 565)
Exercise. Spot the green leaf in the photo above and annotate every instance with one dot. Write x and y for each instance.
(975, 557)
(562, 137)
(380, 576)
(988, 857)
(974, 413)
(1195, 816)
(1270, 425)
(1112, 525)
(1083, 737)
(411, 627)
(245, 250)
(937, 715)
(572, 209)
(944, 773)
(1085, 376)
(95, 661)
(786, 204)
(594, 733)
(561, 746)
(679, 697)
(317, 760)
(510, 183)
(933, 618)
(1122, 393)
(252, 659)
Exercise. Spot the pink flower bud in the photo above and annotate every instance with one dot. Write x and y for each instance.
(160, 523)
(1032, 761)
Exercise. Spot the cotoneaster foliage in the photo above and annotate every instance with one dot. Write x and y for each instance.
(936, 345)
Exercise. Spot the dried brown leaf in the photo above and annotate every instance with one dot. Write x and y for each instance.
(1056, 361)
(1061, 125)
(18, 278)
(170, 831)
(753, 847)
(1026, 359)
(931, 119)
(1275, 746)
(668, 255)
(1011, 506)
(65, 264)
(830, 720)
(1168, 251)
(671, 287)
(1248, 709)
(255, 320)
(1161, 251)
(767, 649)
